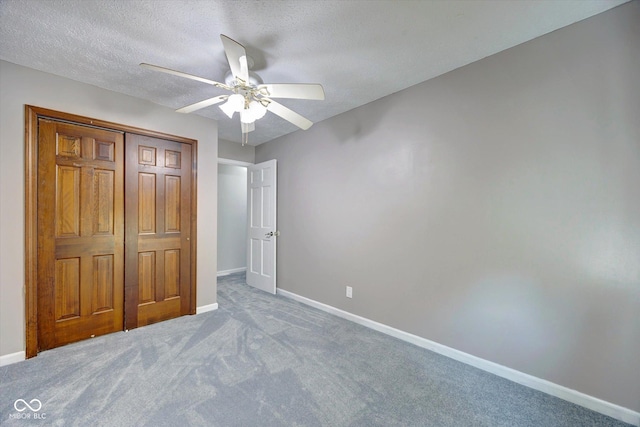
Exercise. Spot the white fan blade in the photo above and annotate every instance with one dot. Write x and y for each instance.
(185, 75)
(248, 127)
(202, 104)
(235, 51)
(292, 90)
(244, 67)
(287, 114)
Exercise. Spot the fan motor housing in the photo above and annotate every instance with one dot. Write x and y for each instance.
(254, 79)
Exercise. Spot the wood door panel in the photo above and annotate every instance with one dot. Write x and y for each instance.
(80, 232)
(146, 203)
(68, 146)
(146, 277)
(103, 150)
(158, 283)
(172, 203)
(67, 201)
(172, 159)
(146, 155)
(171, 273)
(103, 202)
(103, 276)
(67, 289)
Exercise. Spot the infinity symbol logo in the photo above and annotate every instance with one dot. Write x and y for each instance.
(21, 405)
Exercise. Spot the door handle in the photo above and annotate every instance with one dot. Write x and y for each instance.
(272, 234)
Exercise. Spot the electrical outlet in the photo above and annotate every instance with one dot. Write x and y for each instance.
(349, 292)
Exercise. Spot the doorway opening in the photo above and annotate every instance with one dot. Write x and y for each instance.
(260, 220)
(232, 216)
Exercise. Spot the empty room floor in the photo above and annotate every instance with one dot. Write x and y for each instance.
(265, 360)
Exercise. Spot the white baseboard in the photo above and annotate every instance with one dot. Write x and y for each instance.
(573, 396)
(8, 359)
(206, 308)
(233, 270)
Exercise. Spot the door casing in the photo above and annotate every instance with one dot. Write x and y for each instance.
(32, 114)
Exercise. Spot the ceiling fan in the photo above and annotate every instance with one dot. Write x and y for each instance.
(249, 96)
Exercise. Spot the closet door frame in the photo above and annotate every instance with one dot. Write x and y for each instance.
(32, 114)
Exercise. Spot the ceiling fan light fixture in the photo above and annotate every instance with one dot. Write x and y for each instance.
(236, 101)
(257, 109)
(228, 109)
(249, 97)
(246, 116)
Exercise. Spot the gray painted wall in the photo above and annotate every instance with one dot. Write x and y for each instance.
(234, 151)
(232, 217)
(494, 209)
(22, 86)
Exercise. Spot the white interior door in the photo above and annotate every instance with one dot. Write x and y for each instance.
(261, 222)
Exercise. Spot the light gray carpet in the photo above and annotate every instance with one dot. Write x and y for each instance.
(264, 360)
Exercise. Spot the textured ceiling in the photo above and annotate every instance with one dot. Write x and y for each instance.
(359, 51)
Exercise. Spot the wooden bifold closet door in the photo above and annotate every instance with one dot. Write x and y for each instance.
(113, 227)
(158, 230)
(80, 233)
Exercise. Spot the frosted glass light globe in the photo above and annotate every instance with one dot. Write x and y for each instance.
(246, 116)
(257, 110)
(236, 102)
